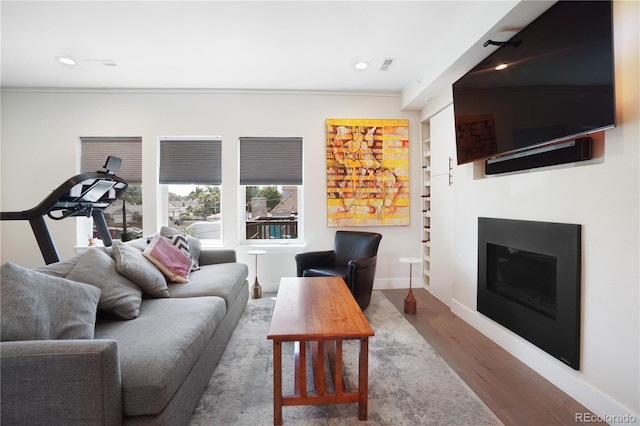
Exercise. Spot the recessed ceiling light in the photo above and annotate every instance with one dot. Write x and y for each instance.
(65, 60)
(361, 65)
(501, 67)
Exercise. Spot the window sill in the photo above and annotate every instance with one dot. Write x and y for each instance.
(82, 249)
(273, 247)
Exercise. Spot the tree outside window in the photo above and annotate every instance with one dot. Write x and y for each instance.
(191, 167)
(195, 210)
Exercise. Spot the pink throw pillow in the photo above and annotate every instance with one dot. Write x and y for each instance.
(169, 259)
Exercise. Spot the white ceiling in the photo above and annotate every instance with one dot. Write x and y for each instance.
(259, 45)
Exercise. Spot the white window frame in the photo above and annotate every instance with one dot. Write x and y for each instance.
(242, 190)
(163, 189)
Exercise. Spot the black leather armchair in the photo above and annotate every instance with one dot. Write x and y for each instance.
(353, 258)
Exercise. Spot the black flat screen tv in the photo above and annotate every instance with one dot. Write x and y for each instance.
(558, 85)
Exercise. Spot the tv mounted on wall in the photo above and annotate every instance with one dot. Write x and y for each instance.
(558, 85)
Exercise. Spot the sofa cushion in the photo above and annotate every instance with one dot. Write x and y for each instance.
(172, 262)
(159, 348)
(223, 279)
(37, 306)
(131, 263)
(119, 295)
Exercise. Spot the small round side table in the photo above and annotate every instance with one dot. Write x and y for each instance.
(256, 290)
(410, 301)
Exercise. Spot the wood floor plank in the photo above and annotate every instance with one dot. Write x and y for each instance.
(513, 391)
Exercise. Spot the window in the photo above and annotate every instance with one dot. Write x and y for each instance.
(123, 216)
(271, 181)
(192, 170)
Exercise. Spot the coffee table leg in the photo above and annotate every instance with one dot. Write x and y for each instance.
(277, 382)
(363, 386)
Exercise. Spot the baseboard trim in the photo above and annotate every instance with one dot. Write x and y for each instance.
(395, 283)
(565, 378)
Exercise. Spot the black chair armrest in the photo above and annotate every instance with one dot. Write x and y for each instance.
(360, 275)
(362, 263)
(357, 268)
(313, 259)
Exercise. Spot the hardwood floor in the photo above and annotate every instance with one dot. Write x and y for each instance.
(514, 392)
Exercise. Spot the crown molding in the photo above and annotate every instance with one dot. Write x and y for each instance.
(197, 91)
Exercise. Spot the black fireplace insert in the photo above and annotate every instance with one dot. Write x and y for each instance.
(529, 281)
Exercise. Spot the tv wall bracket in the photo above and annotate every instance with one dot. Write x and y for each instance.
(86, 194)
(490, 42)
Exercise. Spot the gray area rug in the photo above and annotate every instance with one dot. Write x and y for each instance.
(409, 383)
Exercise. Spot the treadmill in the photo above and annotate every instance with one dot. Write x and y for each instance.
(86, 194)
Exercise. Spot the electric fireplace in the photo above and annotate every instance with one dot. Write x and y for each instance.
(529, 282)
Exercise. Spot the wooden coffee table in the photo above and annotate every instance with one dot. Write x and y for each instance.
(318, 313)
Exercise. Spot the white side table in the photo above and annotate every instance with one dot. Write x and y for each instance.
(256, 290)
(410, 301)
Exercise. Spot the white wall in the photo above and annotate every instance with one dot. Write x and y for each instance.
(604, 196)
(40, 149)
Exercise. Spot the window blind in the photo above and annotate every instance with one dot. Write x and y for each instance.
(191, 161)
(95, 150)
(270, 161)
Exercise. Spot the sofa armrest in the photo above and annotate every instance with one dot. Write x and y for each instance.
(313, 259)
(60, 382)
(213, 256)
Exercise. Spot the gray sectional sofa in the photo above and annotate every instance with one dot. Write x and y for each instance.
(151, 369)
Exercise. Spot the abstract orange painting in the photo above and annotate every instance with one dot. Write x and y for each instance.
(367, 172)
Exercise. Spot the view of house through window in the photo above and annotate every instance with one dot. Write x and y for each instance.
(271, 212)
(271, 175)
(195, 210)
(191, 169)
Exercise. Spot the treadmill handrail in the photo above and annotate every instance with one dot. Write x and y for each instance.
(51, 202)
(102, 189)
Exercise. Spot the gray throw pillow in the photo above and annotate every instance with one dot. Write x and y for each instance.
(37, 306)
(59, 269)
(131, 263)
(119, 295)
(139, 244)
